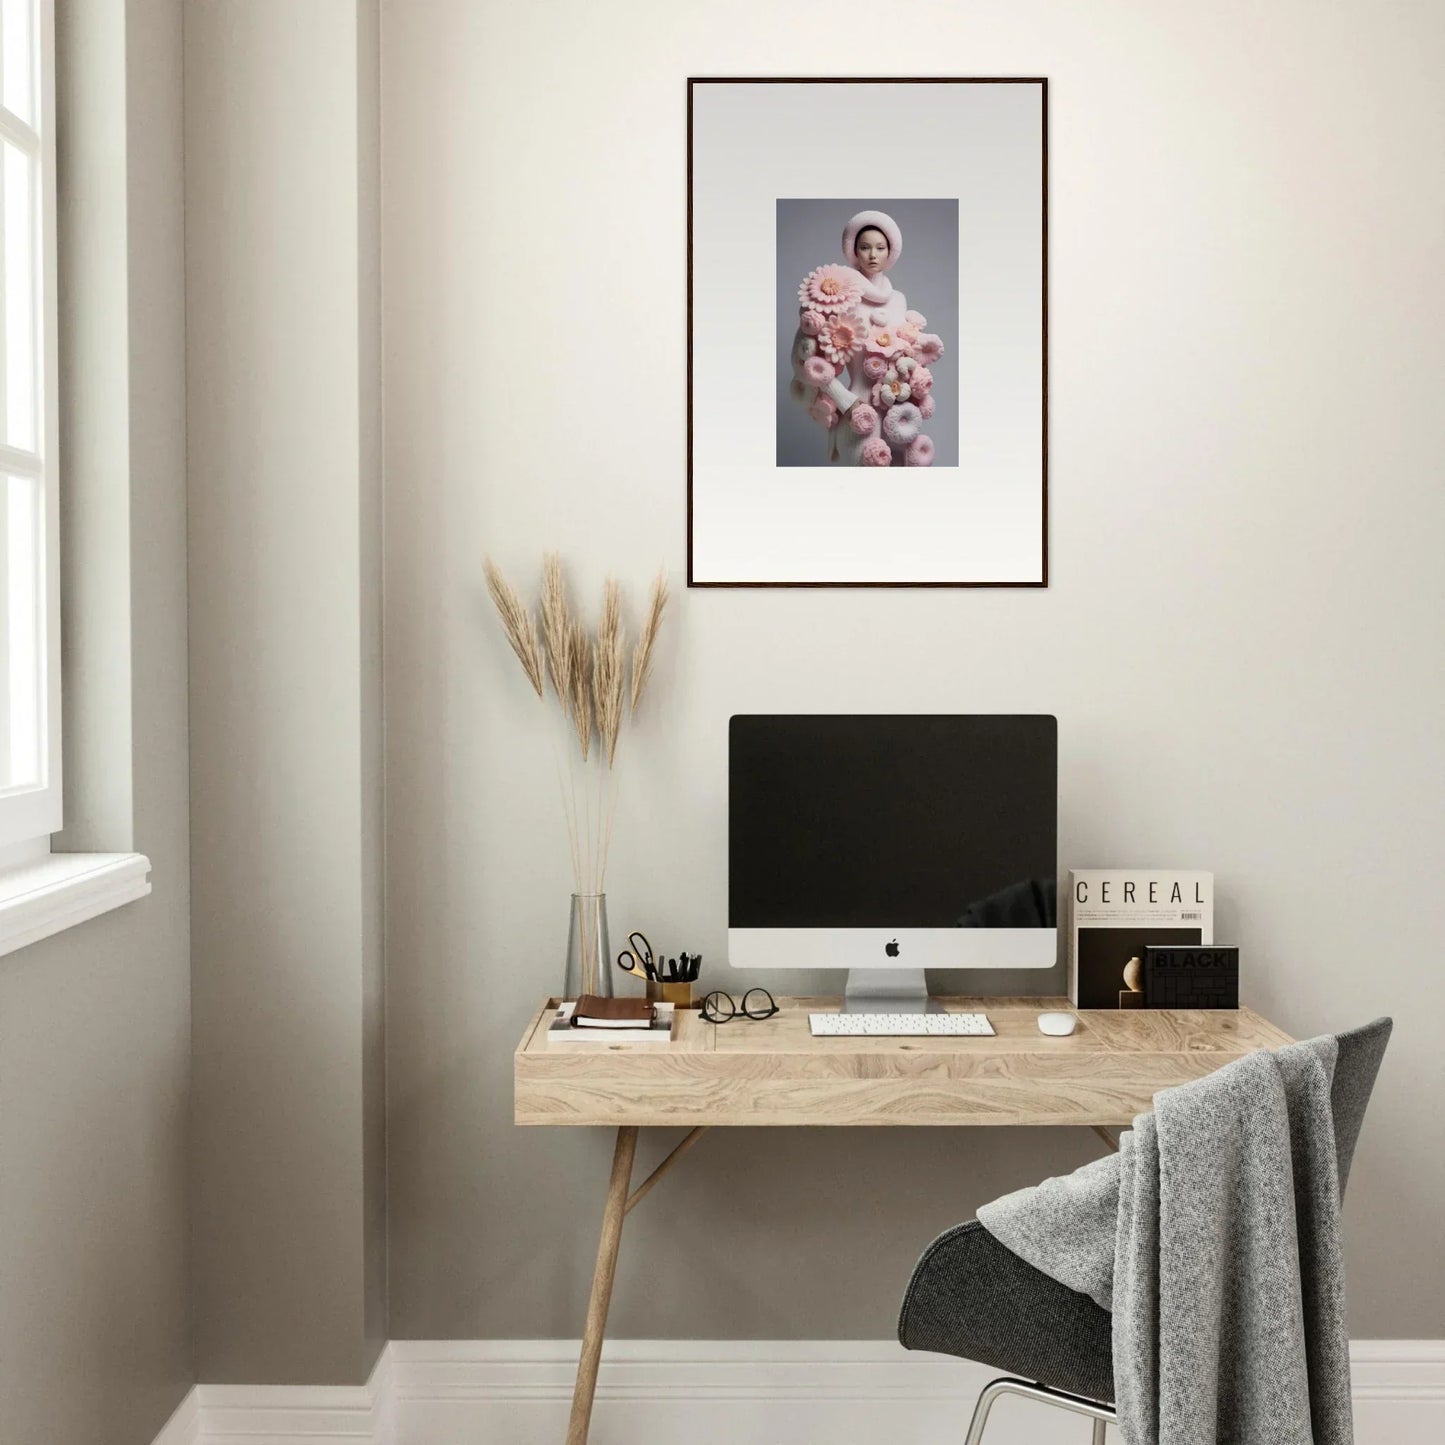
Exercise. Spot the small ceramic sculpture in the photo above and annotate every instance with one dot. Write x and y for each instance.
(1134, 975)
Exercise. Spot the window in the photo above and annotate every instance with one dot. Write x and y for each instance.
(41, 892)
(30, 797)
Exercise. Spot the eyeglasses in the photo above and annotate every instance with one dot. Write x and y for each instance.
(720, 1008)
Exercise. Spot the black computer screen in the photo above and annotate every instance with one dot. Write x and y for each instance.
(892, 821)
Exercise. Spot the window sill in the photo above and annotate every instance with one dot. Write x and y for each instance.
(55, 893)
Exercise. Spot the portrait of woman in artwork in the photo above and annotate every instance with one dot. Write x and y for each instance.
(861, 355)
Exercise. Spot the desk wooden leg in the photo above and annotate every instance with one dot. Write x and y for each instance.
(1106, 1136)
(602, 1276)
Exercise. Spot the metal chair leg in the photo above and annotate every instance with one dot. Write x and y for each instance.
(980, 1410)
(1102, 1415)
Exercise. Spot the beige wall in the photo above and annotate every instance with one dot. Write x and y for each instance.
(369, 640)
(284, 490)
(95, 1022)
(1241, 640)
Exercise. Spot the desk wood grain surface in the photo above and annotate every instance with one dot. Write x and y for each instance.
(774, 1072)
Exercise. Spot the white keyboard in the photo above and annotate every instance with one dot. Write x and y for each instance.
(899, 1026)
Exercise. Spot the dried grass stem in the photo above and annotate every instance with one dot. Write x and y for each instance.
(589, 678)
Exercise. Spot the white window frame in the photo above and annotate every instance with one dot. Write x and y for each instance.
(30, 814)
(42, 892)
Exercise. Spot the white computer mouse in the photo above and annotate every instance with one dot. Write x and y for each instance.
(1057, 1024)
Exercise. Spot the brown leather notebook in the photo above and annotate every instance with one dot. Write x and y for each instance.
(593, 1012)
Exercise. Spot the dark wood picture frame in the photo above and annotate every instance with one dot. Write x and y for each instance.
(1042, 83)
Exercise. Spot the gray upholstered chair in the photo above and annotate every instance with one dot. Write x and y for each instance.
(972, 1297)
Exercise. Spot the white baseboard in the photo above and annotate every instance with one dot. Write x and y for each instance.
(1398, 1388)
(714, 1392)
(288, 1414)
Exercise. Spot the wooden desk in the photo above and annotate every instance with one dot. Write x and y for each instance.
(773, 1072)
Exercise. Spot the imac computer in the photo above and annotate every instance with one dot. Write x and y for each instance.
(890, 844)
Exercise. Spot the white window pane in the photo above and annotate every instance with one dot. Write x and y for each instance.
(21, 354)
(22, 717)
(17, 76)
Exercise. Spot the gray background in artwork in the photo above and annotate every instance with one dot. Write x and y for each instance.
(810, 233)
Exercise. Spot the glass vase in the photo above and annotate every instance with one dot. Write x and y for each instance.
(589, 957)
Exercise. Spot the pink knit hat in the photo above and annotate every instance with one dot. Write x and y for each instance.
(879, 221)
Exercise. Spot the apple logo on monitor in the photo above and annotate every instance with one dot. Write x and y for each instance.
(891, 948)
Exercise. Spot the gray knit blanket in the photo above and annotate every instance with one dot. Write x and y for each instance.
(1214, 1237)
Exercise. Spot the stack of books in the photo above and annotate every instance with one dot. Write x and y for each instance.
(1116, 914)
(611, 1021)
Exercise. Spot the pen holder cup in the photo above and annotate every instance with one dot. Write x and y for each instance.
(678, 994)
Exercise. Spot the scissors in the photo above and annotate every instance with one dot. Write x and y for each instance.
(637, 958)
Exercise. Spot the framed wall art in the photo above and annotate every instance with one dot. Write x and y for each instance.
(867, 333)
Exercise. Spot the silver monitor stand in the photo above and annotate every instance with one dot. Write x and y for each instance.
(887, 991)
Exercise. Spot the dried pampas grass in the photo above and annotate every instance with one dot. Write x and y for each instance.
(651, 625)
(579, 686)
(609, 672)
(517, 622)
(589, 679)
(556, 626)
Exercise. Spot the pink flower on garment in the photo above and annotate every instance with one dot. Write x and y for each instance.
(926, 407)
(930, 348)
(817, 372)
(810, 323)
(889, 393)
(883, 341)
(863, 419)
(824, 412)
(919, 453)
(908, 337)
(901, 423)
(915, 319)
(876, 453)
(831, 288)
(921, 380)
(874, 367)
(841, 337)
